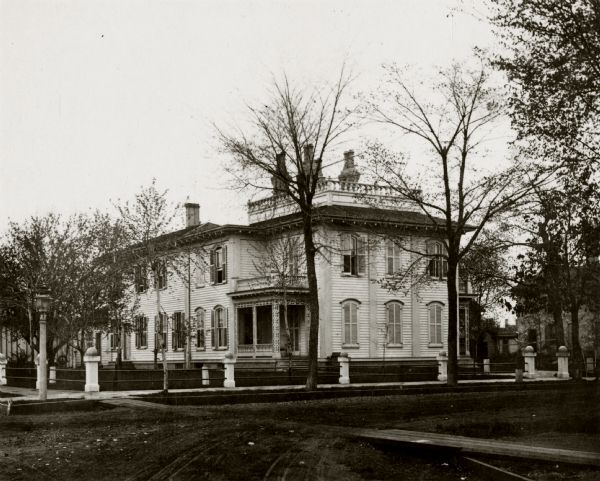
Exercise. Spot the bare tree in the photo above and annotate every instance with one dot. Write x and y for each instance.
(287, 140)
(458, 196)
(153, 247)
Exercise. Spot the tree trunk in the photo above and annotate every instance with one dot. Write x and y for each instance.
(161, 340)
(452, 323)
(313, 296)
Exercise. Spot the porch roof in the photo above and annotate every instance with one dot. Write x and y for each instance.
(275, 292)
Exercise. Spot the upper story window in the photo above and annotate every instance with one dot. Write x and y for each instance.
(394, 322)
(438, 262)
(350, 322)
(219, 327)
(463, 285)
(161, 275)
(218, 265)
(435, 322)
(141, 279)
(200, 339)
(200, 271)
(392, 258)
(353, 254)
(141, 332)
(178, 332)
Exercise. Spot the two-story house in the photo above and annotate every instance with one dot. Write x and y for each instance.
(239, 302)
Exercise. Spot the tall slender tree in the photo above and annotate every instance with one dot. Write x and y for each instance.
(458, 195)
(286, 141)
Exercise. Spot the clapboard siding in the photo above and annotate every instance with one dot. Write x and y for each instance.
(243, 256)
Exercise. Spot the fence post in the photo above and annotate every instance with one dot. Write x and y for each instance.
(3, 363)
(91, 360)
(52, 375)
(229, 363)
(486, 366)
(205, 376)
(563, 363)
(344, 361)
(442, 359)
(529, 356)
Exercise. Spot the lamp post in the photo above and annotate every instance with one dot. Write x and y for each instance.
(42, 305)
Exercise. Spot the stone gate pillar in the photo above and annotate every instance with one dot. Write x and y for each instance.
(529, 356)
(563, 363)
(91, 360)
(229, 364)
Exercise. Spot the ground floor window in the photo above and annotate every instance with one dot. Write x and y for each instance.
(141, 332)
(219, 327)
(178, 332)
(350, 321)
(160, 336)
(435, 323)
(394, 322)
(200, 338)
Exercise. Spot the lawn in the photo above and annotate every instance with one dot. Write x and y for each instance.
(299, 440)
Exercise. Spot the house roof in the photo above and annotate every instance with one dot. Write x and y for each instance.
(335, 214)
(353, 215)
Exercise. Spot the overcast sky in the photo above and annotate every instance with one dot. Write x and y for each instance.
(98, 97)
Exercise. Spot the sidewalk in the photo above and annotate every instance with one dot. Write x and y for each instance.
(28, 394)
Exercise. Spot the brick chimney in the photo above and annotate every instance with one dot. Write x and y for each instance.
(192, 214)
(349, 173)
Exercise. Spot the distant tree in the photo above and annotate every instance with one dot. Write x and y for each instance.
(551, 55)
(285, 142)
(455, 192)
(60, 254)
(152, 247)
(560, 270)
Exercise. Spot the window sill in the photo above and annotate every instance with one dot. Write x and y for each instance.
(200, 349)
(220, 348)
(350, 346)
(432, 345)
(142, 348)
(347, 274)
(396, 345)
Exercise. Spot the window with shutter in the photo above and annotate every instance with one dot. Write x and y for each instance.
(200, 338)
(435, 323)
(178, 332)
(392, 264)
(394, 322)
(350, 322)
(219, 327)
(212, 267)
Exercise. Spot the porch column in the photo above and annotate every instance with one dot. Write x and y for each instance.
(254, 329)
(276, 330)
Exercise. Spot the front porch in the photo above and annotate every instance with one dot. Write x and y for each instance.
(270, 329)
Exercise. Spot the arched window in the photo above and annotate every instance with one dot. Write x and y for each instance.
(438, 262)
(394, 322)
(392, 258)
(350, 321)
(353, 254)
(435, 322)
(199, 318)
(219, 327)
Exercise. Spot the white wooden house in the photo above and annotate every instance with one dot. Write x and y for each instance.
(234, 307)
